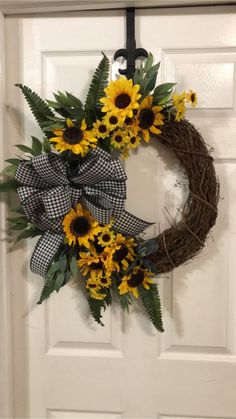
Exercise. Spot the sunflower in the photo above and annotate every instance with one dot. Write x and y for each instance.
(94, 263)
(192, 98)
(119, 139)
(180, 113)
(105, 282)
(91, 263)
(113, 121)
(179, 100)
(132, 125)
(138, 277)
(106, 237)
(133, 141)
(94, 289)
(125, 154)
(121, 252)
(100, 129)
(79, 226)
(149, 118)
(73, 138)
(121, 97)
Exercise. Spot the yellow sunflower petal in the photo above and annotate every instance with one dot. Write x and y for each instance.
(144, 103)
(158, 120)
(135, 292)
(146, 135)
(157, 108)
(83, 125)
(58, 132)
(57, 147)
(155, 130)
(149, 101)
(125, 263)
(69, 122)
(79, 209)
(55, 139)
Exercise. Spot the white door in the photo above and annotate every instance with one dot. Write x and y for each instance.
(66, 366)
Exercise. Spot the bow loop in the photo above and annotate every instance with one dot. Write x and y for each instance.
(51, 168)
(57, 201)
(118, 170)
(25, 192)
(26, 171)
(112, 187)
(31, 200)
(93, 171)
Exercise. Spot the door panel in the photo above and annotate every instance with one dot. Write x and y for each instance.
(125, 369)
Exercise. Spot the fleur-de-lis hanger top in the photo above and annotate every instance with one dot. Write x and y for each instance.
(130, 53)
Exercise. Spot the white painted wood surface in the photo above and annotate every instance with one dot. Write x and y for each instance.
(67, 367)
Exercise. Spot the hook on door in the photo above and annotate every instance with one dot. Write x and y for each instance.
(130, 53)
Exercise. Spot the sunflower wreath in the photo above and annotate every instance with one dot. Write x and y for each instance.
(72, 189)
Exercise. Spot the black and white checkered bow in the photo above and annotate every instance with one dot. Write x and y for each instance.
(47, 194)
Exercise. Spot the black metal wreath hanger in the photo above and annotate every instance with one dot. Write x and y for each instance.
(130, 53)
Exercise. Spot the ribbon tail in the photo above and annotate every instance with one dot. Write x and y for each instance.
(45, 250)
(130, 225)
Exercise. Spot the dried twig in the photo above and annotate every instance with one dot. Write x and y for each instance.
(186, 238)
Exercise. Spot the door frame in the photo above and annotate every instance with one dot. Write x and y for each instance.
(11, 7)
(44, 6)
(6, 344)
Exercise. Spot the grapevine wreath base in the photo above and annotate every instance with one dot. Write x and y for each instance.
(71, 186)
(187, 237)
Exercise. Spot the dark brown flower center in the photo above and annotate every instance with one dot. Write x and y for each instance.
(103, 280)
(98, 247)
(133, 140)
(72, 135)
(118, 138)
(92, 285)
(80, 226)
(122, 101)
(192, 97)
(102, 128)
(129, 121)
(113, 120)
(96, 265)
(136, 279)
(106, 237)
(121, 253)
(146, 118)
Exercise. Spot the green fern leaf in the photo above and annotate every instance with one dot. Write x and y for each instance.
(125, 301)
(47, 290)
(98, 83)
(95, 309)
(152, 304)
(38, 106)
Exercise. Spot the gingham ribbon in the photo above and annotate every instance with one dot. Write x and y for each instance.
(47, 193)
